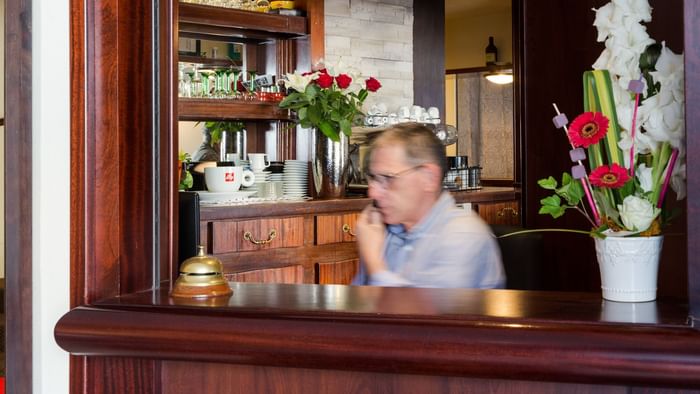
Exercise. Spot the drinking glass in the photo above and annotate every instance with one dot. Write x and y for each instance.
(251, 86)
(234, 91)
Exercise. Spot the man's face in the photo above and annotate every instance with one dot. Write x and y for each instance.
(395, 185)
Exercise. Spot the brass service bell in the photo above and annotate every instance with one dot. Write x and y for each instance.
(201, 276)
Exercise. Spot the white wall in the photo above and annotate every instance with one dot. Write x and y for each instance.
(51, 190)
(376, 37)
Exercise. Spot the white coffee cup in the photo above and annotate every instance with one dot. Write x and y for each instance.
(227, 179)
(258, 162)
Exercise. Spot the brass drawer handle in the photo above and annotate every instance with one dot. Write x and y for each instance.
(347, 229)
(249, 237)
(503, 211)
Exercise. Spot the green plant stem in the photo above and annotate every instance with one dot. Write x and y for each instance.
(585, 214)
(544, 230)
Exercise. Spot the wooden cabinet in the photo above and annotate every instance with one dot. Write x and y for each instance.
(507, 212)
(311, 241)
(272, 44)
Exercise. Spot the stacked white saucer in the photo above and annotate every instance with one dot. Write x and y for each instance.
(262, 176)
(295, 178)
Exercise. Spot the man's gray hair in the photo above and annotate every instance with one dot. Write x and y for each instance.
(419, 143)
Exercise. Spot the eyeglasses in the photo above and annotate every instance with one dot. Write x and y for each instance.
(386, 180)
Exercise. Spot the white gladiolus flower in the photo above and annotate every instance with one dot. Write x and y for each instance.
(637, 213)
(298, 82)
(678, 181)
(643, 174)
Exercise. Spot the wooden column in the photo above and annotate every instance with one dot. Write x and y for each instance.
(286, 131)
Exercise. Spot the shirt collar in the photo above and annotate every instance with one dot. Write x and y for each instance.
(443, 203)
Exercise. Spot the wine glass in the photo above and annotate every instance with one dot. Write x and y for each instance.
(234, 90)
(251, 86)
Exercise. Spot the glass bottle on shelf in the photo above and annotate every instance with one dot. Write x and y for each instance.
(491, 53)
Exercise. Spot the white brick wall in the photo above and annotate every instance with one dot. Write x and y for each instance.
(375, 36)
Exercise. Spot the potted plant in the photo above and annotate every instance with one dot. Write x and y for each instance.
(632, 135)
(329, 101)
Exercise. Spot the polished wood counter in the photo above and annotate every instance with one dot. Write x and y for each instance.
(483, 195)
(473, 334)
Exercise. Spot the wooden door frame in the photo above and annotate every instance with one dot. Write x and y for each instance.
(18, 196)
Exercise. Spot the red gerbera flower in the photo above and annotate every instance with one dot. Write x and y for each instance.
(324, 80)
(613, 176)
(343, 81)
(588, 128)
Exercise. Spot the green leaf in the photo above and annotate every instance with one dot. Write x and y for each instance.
(345, 126)
(548, 183)
(302, 113)
(571, 190)
(314, 114)
(328, 130)
(552, 206)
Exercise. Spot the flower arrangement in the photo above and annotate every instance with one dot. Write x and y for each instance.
(329, 99)
(632, 132)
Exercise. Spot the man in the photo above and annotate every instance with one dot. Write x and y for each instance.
(206, 152)
(413, 234)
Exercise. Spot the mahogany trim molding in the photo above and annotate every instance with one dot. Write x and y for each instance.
(503, 334)
(18, 196)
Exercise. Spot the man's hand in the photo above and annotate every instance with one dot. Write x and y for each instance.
(370, 233)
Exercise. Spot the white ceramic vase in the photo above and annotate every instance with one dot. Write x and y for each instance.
(629, 267)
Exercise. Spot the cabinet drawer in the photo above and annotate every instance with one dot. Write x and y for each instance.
(289, 274)
(507, 212)
(258, 234)
(337, 272)
(336, 228)
(270, 233)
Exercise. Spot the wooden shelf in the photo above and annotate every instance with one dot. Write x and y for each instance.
(226, 109)
(226, 24)
(209, 62)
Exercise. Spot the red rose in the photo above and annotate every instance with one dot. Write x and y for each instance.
(343, 81)
(324, 80)
(372, 84)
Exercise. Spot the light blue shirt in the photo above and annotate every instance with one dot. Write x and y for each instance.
(449, 247)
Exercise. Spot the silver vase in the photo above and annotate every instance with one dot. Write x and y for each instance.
(233, 143)
(329, 164)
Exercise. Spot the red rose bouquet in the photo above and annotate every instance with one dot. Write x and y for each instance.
(328, 99)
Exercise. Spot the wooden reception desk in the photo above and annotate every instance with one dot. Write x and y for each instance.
(332, 338)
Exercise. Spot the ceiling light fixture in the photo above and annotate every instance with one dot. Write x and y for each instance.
(500, 77)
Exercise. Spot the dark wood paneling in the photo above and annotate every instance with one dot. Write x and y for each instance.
(18, 195)
(429, 54)
(692, 115)
(502, 334)
(168, 219)
(558, 44)
(112, 204)
(113, 152)
(182, 377)
(116, 375)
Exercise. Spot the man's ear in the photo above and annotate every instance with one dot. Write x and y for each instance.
(434, 180)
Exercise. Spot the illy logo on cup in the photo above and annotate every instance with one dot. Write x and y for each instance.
(230, 177)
